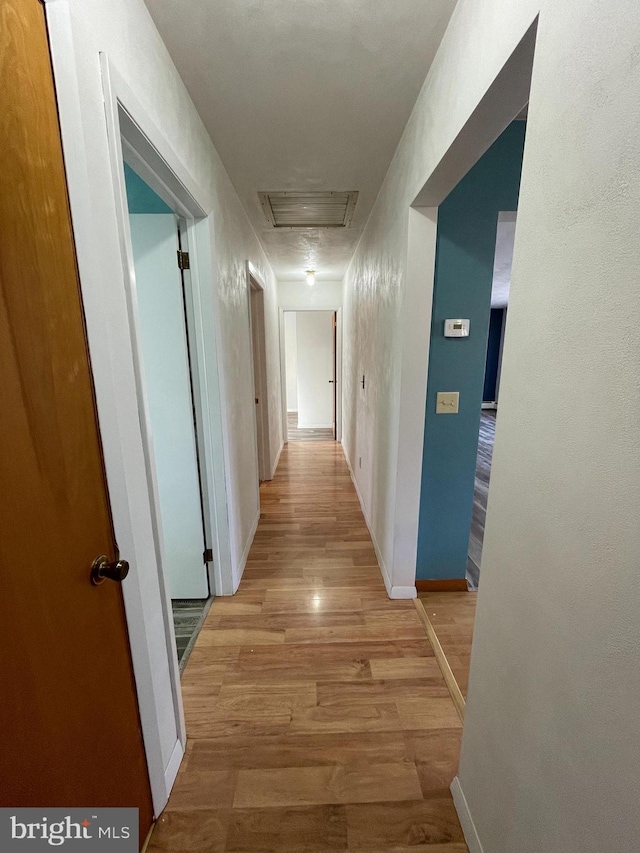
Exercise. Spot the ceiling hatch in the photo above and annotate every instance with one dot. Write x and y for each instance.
(289, 209)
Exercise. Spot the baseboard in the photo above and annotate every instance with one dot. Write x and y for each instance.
(443, 585)
(381, 563)
(275, 464)
(237, 575)
(403, 592)
(464, 815)
(314, 426)
(490, 406)
(171, 770)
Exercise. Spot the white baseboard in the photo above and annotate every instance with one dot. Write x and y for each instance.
(464, 815)
(403, 592)
(275, 464)
(171, 770)
(383, 568)
(493, 406)
(237, 575)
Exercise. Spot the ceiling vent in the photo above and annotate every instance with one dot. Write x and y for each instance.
(309, 209)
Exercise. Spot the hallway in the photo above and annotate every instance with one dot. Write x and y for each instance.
(317, 717)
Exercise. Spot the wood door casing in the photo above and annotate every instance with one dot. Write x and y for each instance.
(69, 713)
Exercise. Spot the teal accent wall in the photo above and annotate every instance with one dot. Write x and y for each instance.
(465, 249)
(140, 197)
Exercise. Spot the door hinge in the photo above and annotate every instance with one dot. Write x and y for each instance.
(208, 555)
(183, 260)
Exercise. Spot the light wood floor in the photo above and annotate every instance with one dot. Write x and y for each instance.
(452, 615)
(318, 719)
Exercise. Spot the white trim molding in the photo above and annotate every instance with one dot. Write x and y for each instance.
(257, 335)
(99, 217)
(464, 815)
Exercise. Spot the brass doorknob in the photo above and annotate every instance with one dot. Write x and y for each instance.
(102, 569)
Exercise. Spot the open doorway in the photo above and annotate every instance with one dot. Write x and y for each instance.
(166, 388)
(311, 380)
(503, 260)
(474, 249)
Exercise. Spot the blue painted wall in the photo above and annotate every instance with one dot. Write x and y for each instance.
(140, 197)
(465, 249)
(493, 355)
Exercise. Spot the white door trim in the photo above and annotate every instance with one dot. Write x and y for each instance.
(256, 283)
(110, 336)
(283, 373)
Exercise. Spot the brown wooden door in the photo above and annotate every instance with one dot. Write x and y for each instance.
(69, 723)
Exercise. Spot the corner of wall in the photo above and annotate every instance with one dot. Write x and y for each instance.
(464, 815)
(274, 465)
(384, 571)
(239, 569)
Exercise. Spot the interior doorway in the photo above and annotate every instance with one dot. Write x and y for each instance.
(167, 400)
(503, 260)
(311, 374)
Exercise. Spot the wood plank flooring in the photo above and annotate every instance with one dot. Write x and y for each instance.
(294, 433)
(317, 716)
(486, 438)
(452, 615)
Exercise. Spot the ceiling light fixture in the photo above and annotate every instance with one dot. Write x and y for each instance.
(311, 277)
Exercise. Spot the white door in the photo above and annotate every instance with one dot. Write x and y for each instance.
(167, 388)
(314, 335)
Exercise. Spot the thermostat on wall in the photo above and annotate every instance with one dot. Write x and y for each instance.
(456, 328)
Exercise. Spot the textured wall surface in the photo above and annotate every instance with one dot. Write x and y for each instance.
(123, 29)
(551, 756)
(550, 752)
(465, 252)
(298, 294)
(291, 360)
(375, 300)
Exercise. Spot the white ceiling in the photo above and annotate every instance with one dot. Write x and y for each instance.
(304, 95)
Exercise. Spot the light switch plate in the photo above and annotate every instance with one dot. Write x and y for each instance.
(447, 402)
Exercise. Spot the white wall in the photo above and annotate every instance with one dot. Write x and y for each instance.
(291, 360)
(167, 389)
(314, 335)
(551, 727)
(550, 752)
(124, 30)
(298, 294)
(382, 303)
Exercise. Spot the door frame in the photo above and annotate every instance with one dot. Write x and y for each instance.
(111, 340)
(337, 310)
(257, 340)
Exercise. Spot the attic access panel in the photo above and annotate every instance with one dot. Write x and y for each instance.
(289, 209)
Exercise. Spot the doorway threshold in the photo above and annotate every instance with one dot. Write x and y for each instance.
(188, 617)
